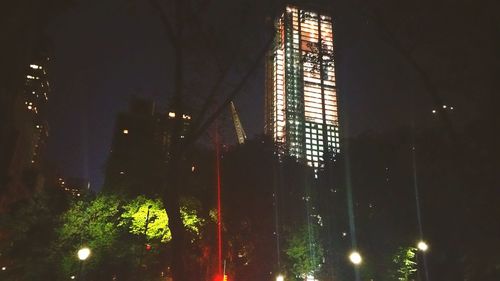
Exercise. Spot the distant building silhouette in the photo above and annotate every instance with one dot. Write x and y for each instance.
(140, 148)
(22, 162)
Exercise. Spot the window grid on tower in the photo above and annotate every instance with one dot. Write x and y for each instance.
(304, 102)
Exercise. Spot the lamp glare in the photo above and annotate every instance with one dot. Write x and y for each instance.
(422, 246)
(83, 253)
(355, 258)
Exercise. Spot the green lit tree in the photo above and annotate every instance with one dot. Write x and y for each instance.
(304, 251)
(117, 231)
(94, 224)
(405, 264)
(145, 216)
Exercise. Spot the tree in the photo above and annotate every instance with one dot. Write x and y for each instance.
(147, 217)
(405, 264)
(305, 251)
(94, 224)
(25, 234)
(183, 29)
(118, 231)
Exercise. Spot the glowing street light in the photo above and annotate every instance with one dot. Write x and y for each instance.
(422, 246)
(355, 258)
(83, 253)
(280, 278)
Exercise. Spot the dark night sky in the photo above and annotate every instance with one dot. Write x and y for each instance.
(107, 51)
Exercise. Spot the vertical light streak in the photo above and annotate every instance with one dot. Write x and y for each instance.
(219, 215)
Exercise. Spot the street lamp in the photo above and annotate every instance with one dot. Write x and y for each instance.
(83, 253)
(280, 278)
(422, 246)
(355, 258)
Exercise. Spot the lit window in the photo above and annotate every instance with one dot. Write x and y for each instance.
(125, 131)
(34, 66)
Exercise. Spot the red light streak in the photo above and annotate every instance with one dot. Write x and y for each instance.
(219, 215)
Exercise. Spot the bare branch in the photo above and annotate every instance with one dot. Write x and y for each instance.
(232, 95)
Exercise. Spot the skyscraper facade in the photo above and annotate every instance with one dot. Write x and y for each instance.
(36, 93)
(27, 135)
(301, 97)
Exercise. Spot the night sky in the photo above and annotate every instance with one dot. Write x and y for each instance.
(108, 51)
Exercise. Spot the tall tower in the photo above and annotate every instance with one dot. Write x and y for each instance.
(301, 100)
(37, 91)
(28, 133)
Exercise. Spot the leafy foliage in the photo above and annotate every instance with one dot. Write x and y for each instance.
(189, 214)
(305, 251)
(406, 266)
(25, 235)
(93, 224)
(135, 217)
(114, 228)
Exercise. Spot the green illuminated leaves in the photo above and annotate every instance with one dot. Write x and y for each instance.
(91, 222)
(304, 250)
(406, 266)
(189, 214)
(136, 215)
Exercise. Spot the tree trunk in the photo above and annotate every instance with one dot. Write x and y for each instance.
(173, 186)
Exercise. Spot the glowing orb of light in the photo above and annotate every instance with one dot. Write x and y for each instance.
(355, 258)
(83, 253)
(422, 246)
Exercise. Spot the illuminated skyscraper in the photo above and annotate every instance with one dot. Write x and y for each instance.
(301, 100)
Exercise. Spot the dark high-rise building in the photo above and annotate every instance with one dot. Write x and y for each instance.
(27, 139)
(140, 148)
(301, 93)
(36, 95)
